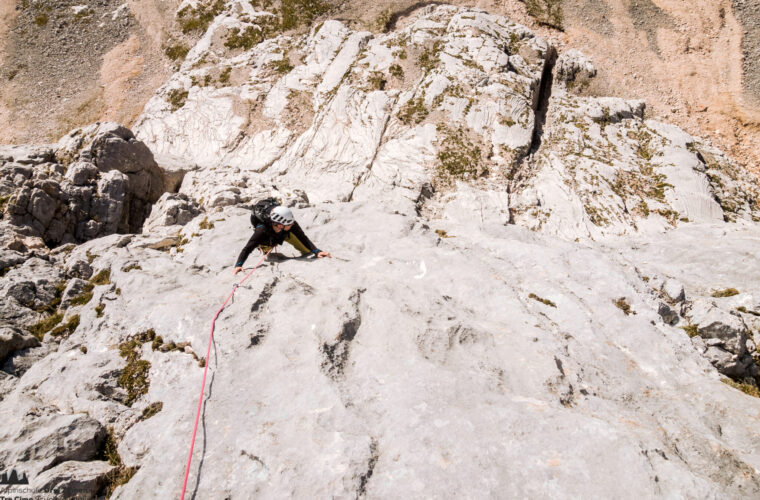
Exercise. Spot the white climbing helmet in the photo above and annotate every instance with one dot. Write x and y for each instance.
(282, 215)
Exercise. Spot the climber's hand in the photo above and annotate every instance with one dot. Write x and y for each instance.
(323, 254)
(236, 270)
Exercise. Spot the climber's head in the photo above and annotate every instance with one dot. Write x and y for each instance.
(282, 218)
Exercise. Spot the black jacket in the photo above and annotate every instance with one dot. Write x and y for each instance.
(265, 235)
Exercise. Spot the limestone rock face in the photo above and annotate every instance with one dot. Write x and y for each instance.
(11, 339)
(519, 304)
(99, 180)
(80, 480)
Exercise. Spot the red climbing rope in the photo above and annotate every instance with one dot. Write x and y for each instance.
(205, 369)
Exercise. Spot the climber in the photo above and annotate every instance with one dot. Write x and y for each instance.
(275, 224)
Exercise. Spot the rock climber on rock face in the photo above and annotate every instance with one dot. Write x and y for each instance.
(274, 225)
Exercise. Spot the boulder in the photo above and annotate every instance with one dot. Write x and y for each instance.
(668, 315)
(171, 209)
(673, 291)
(572, 65)
(13, 339)
(74, 288)
(41, 439)
(80, 480)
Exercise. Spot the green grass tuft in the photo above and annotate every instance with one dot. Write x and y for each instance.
(151, 410)
(726, 292)
(624, 306)
(542, 300)
(748, 389)
(42, 327)
(178, 98)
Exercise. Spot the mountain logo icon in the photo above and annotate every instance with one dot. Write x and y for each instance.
(13, 477)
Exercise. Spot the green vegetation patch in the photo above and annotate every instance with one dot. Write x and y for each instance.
(131, 267)
(151, 410)
(177, 51)
(245, 39)
(748, 389)
(691, 330)
(726, 292)
(67, 328)
(542, 300)
(744, 310)
(199, 18)
(281, 66)
(121, 474)
(458, 157)
(206, 224)
(51, 306)
(413, 111)
(134, 376)
(84, 297)
(396, 71)
(42, 327)
(178, 98)
(99, 309)
(430, 57)
(546, 12)
(102, 278)
(624, 306)
(224, 76)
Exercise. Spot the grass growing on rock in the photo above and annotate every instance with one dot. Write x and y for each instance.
(67, 328)
(413, 111)
(84, 297)
(177, 98)
(198, 18)
(542, 300)
(121, 474)
(134, 376)
(42, 327)
(102, 278)
(546, 12)
(726, 292)
(748, 389)
(624, 306)
(56, 301)
(151, 410)
(691, 330)
(458, 158)
(99, 309)
(131, 267)
(177, 51)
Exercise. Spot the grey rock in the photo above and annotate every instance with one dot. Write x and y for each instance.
(10, 258)
(41, 439)
(573, 65)
(74, 288)
(668, 315)
(12, 339)
(174, 170)
(80, 480)
(171, 209)
(80, 268)
(716, 323)
(80, 173)
(41, 206)
(673, 291)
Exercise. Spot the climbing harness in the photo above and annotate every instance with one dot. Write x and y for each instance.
(205, 369)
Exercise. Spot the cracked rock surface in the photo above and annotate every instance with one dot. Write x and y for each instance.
(534, 294)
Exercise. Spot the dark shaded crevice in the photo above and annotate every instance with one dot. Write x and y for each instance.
(544, 94)
(264, 296)
(364, 478)
(335, 355)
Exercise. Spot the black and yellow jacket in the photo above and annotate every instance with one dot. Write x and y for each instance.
(265, 237)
